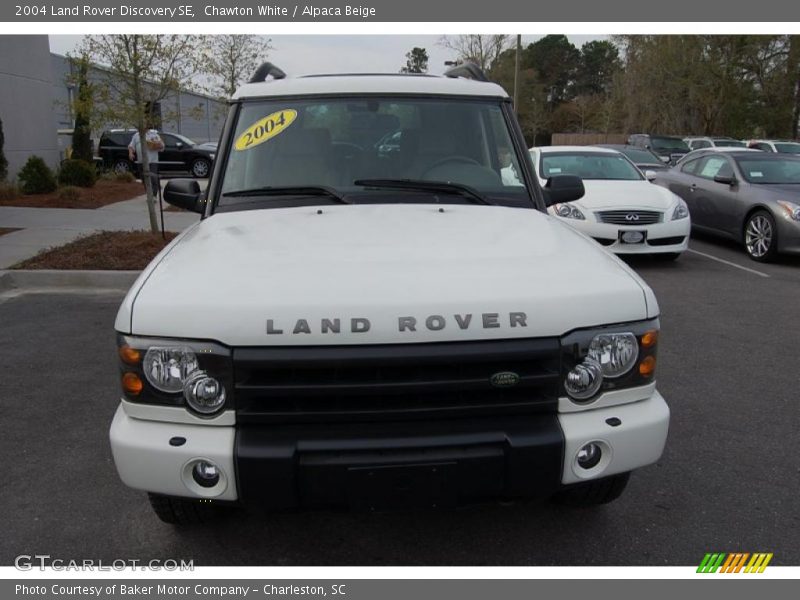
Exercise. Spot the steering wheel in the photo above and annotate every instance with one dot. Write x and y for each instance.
(460, 160)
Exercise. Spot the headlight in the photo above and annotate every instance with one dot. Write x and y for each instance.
(193, 374)
(166, 369)
(616, 353)
(604, 359)
(681, 211)
(792, 209)
(568, 211)
(212, 156)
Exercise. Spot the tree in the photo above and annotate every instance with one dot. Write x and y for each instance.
(555, 60)
(599, 61)
(416, 61)
(138, 72)
(3, 160)
(231, 59)
(82, 108)
(483, 50)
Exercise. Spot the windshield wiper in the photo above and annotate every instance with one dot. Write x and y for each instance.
(425, 186)
(301, 190)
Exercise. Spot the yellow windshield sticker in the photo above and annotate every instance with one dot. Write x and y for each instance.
(265, 129)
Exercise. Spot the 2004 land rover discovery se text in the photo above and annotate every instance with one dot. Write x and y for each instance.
(352, 327)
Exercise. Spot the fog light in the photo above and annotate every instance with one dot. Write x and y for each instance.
(584, 379)
(132, 384)
(205, 474)
(203, 393)
(589, 456)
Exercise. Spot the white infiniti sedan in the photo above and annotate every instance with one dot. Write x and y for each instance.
(621, 209)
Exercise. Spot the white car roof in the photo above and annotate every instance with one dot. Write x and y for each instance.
(597, 149)
(370, 84)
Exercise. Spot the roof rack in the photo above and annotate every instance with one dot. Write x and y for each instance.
(468, 70)
(265, 70)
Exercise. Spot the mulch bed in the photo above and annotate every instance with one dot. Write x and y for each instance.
(5, 230)
(107, 250)
(103, 193)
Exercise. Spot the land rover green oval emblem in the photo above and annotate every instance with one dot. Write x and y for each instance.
(504, 379)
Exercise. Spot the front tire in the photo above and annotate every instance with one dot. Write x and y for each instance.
(182, 511)
(593, 493)
(122, 165)
(761, 237)
(201, 168)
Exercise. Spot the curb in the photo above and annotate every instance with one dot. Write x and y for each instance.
(44, 280)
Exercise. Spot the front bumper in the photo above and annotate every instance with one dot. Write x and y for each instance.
(387, 465)
(668, 237)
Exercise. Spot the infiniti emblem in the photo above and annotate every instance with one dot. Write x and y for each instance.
(504, 379)
(632, 217)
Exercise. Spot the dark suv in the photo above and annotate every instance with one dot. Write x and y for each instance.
(179, 154)
(669, 148)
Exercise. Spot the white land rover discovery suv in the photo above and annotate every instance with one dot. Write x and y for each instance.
(376, 311)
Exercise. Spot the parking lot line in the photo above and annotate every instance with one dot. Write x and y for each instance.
(727, 262)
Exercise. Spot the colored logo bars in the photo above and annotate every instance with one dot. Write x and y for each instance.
(735, 562)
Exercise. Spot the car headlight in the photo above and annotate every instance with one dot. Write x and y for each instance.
(604, 359)
(792, 210)
(212, 156)
(193, 374)
(681, 211)
(568, 211)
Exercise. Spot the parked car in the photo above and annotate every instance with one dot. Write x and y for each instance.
(364, 341)
(669, 148)
(778, 146)
(705, 151)
(620, 209)
(645, 160)
(180, 154)
(695, 143)
(749, 196)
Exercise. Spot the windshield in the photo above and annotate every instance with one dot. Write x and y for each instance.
(379, 142)
(588, 165)
(787, 147)
(668, 144)
(729, 144)
(641, 156)
(766, 171)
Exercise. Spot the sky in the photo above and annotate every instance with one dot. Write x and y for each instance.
(307, 54)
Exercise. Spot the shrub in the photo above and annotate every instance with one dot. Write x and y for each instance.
(77, 172)
(36, 177)
(8, 191)
(69, 193)
(125, 177)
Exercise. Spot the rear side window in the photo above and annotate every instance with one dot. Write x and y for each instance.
(713, 166)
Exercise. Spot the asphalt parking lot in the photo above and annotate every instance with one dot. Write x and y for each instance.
(728, 481)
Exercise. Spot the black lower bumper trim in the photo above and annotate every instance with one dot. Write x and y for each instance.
(399, 465)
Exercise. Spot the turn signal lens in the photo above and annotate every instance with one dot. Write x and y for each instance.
(132, 384)
(650, 338)
(648, 366)
(130, 355)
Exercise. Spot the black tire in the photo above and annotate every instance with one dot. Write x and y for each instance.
(182, 511)
(760, 237)
(122, 165)
(667, 256)
(201, 168)
(593, 493)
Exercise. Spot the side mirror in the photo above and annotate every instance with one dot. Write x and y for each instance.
(726, 179)
(563, 188)
(185, 193)
(650, 175)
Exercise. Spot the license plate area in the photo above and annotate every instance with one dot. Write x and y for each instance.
(393, 487)
(632, 236)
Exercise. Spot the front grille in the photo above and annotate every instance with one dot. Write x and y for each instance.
(667, 241)
(630, 217)
(397, 381)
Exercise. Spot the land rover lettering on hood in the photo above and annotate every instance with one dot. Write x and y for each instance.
(374, 325)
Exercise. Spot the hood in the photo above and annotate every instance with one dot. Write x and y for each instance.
(270, 277)
(609, 195)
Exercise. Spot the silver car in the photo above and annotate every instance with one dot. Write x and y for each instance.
(752, 197)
